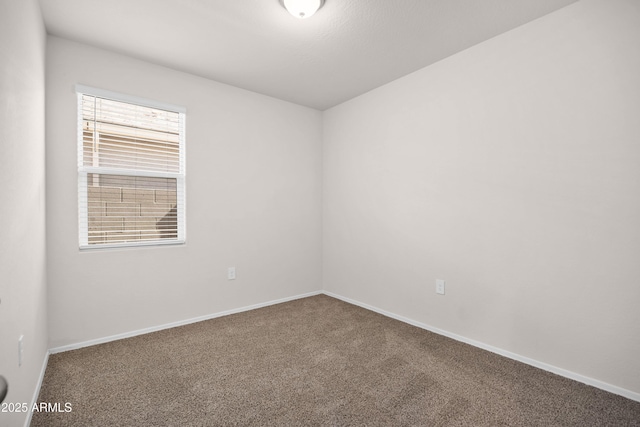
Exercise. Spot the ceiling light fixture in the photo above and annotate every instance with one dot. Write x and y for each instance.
(302, 8)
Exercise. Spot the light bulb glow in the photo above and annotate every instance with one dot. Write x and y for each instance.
(302, 8)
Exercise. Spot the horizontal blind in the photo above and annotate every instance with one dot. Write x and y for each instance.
(131, 173)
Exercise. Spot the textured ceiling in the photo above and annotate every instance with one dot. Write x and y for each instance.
(347, 48)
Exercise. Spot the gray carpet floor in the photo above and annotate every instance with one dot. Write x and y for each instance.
(313, 361)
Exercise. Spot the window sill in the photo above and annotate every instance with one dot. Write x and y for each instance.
(128, 246)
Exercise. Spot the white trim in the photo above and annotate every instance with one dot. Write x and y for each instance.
(135, 244)
(83, 221)
(176, 324)
(36, 393)
(532, 362)
(115, 96)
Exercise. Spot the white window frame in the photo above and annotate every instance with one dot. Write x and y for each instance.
(85, 170)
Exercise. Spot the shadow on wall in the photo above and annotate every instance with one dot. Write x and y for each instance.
(167, 226)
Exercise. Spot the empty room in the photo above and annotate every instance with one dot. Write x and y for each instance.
(320, 212)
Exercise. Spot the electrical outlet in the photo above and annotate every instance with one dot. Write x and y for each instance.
(231, 273)
(20, 349)
(440, 286)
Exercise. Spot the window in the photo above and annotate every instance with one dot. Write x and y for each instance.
(131, 171)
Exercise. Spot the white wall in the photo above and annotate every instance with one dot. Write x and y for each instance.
(512, 171)
(23, 308)
(253, 202)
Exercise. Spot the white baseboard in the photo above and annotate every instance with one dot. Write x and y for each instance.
(541, 365)
(544, 366)
(176, 324)
(36, 393)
